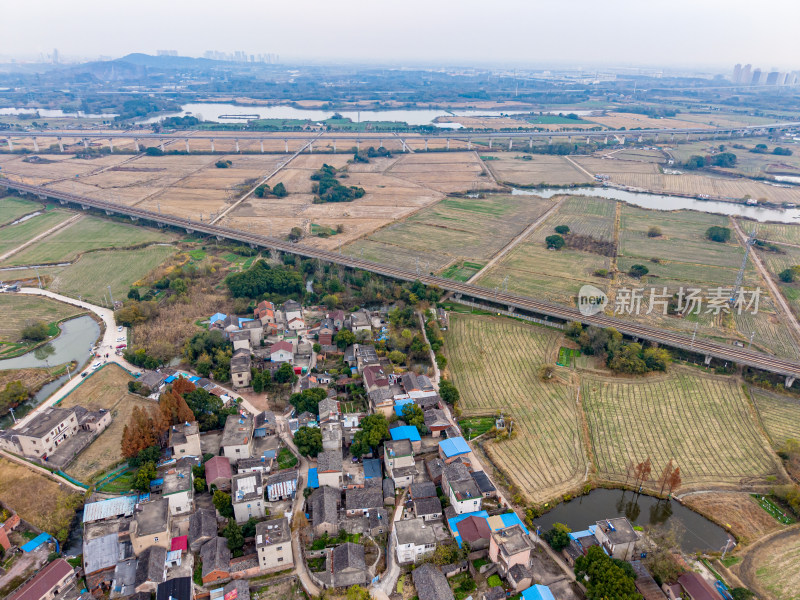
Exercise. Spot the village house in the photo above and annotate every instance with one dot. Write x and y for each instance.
(324, 503)
(374, 378)
(218, 473)
(398, 457)
(151, 569)
(360, 320)
(360, 502)
(281, 352)
(347, 566)
(520, 577)
(428, 509)
(484, 484)
(475, 531)
(697, 588)
(240, 368)
(237, 437)
(292, 309)
(41, 436)
(247, 496)
(241, 340)
(617, 536)
(413, 540)
(431, 584)
(328, 410)
(282, 485)
(388, 491)
(422, 489)
(407, 432)
(435, 467)
(325, 332)
(274, 544)
(202, 527)
(461, 489)
(265, 312)
(329, 468)
(100, 557)
(436, 421)
(338, 319)
(177, 588)
(255, 329)
(184, 439)
(9, 523)
(50, 582)
(265, 424)
(216, 559)
(296, 324)
(151, 526)
(177, 486)
(332, 436)
(94, 421)
(381, 400)
(453, 448)
(508, 547)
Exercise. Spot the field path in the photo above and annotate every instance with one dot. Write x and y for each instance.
(580, 168)
(45, 472)
(513, 243)
(44, 234)
(773, 288)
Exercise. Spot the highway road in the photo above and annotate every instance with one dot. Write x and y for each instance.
(759, 360)
(344, 135)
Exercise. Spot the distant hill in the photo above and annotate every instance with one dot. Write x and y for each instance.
(172, 62)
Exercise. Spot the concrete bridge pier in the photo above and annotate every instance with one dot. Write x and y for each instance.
(380, 143)
(212, 146)
(135, 145)
(426, 144)
(587, 139)
(469, 144)
(334, 146)
(187, 145)
(448, 143)
(237, 146)
(656, 138)
(60, 145)
(789, 381)
(549, 139)
(730, 133)
(530, 143)
(358, 146)
(109, 212)
(85, 143)
(606, 140)
(161, 144)
(10, 145)
(707, 359)
(286, 146)
(672, 138)
(569, 139)
(639, 140)
(134, 219)
(510, 143)
(622, 140)
(511, 309)
(189, 230)
(490, 143)
(35, 145)
(84, 207)
(111, 145)
(262, 147)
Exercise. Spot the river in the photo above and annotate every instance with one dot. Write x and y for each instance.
(695, 531)
(73, 344)
(208, 111)
(661, 202)
(55, 113)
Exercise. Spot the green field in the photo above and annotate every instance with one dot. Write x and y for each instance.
(471, 229)
(12, 208)
(779, 414)
(494, 363)
(701, 422)
(555, 120)
(475, 426)
(89, 233)
(786, 233)
(462, 270)
(776, 263)
(89, 276)
(14, 236)
(19, 309)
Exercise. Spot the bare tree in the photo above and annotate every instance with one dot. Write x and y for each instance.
(630, 471)
(642, 471)
(675, 479)
(665, 475)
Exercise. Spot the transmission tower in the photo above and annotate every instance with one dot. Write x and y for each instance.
(751, 239)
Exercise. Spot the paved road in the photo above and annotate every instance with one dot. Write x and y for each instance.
(106, 346)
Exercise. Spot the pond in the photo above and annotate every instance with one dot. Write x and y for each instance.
(696, 532)
(661, 202)
(209, 111)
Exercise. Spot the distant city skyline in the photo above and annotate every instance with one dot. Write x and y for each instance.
(706, 35)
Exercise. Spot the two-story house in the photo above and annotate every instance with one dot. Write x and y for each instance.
(464, 494)
(274, 544)
(151, 526)
(414, 539)
(510, 546)
(398, 458)
(184, 439)
(247, 496)
(329, 468)
(237, 437)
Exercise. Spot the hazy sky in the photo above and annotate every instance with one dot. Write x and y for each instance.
(576, 32)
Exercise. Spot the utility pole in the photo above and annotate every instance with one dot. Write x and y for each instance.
(751, 239)
(13, 416)
(694, 334)
(752, 335)
(110, 296)
(39, 279)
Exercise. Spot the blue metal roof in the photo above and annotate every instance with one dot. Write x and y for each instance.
(399, 405)
(454, 446)
(405, 432)
(453, 523)
(372, 468)
(313, 478)
(217, 317)
(538, 592)
(36, 542)
(244, 320)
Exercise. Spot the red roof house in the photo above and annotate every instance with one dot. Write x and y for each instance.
(218, 473)
(48, 582)
(180, 543)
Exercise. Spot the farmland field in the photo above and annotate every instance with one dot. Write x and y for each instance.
(779, 414)
(471, 229)
(738, 510)
(89, 233)
(14, 236)
(705, 427)
(494, 363)
(17, 310)
(557, 276)
(776, 263)
(771, 567)
(38, 499)
(106, 388)
(774, 232)
(12, 208)
(540, 170)
(90, 275)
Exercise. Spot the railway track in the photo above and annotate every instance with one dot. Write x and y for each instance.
(759, 360)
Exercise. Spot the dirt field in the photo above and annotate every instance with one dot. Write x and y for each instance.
(106, 388)
(540, 170)
(18, 310)
(779, 414)
(771, 567)
(494, 364)
(629, 421)
(39, 500)
(739, 512)
(614, 120)
(455, 229)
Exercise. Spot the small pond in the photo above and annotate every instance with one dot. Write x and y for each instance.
(696, 532)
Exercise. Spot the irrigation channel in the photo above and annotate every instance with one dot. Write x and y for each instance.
(696, 533)
(662, 202)
(77, 336)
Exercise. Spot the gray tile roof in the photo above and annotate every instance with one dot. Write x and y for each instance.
(348, 556)
(215, 555)
(484, 483)
(329, 461)
(431, 584)
(456, 471)
(427, 506)
(202, 525)
(388, 488)
(324, 509)
(151, 565)
(363, 498)
(423, 489)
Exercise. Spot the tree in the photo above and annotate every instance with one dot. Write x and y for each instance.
(654, 232)
(413, 415)
(308, 400)
(719, 234)
(660, 560)
(642, 471)
(154, 151)
(741, 593)
(561, 229)
(788, 275)
(133, 294)
(223, 164)
(35, 331)
(606, 578)
(249, 528)
(675, 479)
(149, 454)
(14, 394)
(199, 484)
(285, 374)
(223, 504)
(174, 408)
(657, 359)
(546, 372)
(331, 300)
(374, 431)
(317, 348)
(344, 338)
(178, 286)
(558, 536)
(280, 190)
(665, 475)
(146, 473)
(308, 441)
(448, 392)
(262, 190)
(555, 242)
(397, 357)
(638, 271)
(139, 433)
(356, 592)
(295, 234)
(233, 534)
